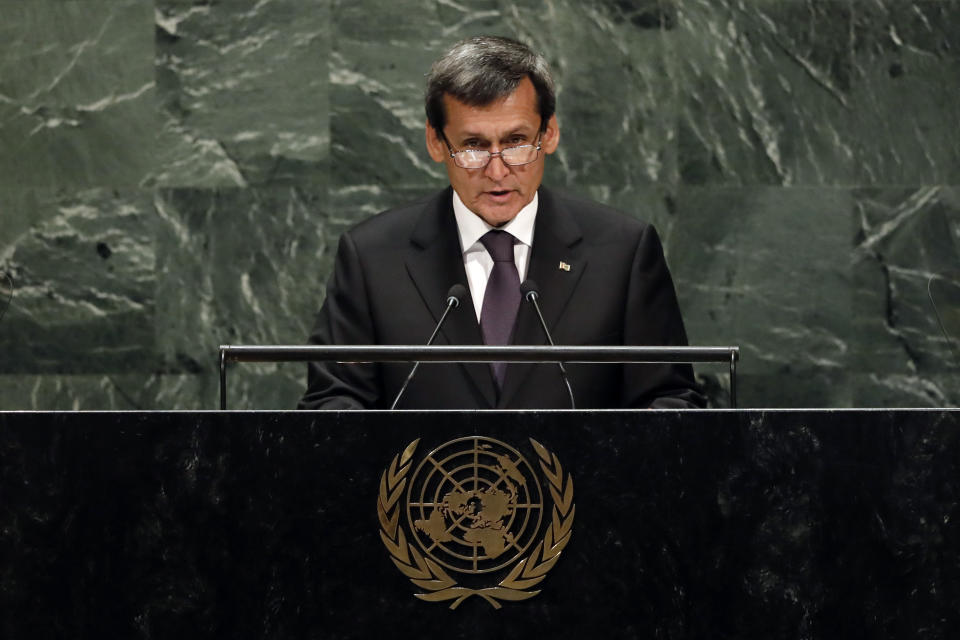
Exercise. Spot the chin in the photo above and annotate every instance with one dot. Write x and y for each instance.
(499, 217)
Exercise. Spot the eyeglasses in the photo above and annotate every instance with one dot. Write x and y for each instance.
(478, 158)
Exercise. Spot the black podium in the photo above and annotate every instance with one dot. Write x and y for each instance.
(670, 524)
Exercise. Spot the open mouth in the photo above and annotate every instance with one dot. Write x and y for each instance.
(499, 194)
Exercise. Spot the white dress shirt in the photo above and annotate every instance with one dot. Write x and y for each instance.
(476, 261)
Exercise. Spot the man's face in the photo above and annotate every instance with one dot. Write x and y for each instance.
(497, 192)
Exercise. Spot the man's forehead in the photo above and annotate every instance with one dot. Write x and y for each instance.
(522, 99)
(498, 119)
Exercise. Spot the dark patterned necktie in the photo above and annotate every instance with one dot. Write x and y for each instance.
(501, 300)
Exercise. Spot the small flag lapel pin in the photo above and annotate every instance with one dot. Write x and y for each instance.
(564, 266)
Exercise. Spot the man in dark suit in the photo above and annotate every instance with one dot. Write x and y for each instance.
(602, 276)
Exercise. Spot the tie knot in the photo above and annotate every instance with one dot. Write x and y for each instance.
(499, 244)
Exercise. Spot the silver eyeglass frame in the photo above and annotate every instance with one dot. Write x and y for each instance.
(491, 154)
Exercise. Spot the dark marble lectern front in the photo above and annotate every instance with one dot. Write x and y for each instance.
(699, 524)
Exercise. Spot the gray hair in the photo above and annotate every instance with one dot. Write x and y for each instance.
(481, 70)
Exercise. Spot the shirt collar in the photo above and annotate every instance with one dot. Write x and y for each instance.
(472, 227)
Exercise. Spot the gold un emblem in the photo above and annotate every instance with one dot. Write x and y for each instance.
(474, 508)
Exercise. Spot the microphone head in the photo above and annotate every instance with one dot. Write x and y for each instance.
(529, 290)
(456, 294)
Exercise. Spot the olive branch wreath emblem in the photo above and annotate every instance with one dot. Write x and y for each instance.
(437, 584)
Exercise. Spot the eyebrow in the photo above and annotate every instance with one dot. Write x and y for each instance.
(518, 130)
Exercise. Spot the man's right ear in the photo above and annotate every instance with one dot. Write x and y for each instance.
(435, 145)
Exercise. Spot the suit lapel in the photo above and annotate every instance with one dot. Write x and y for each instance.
(435, 262)
(556, 240)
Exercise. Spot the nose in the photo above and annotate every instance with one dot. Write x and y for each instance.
(496, 169)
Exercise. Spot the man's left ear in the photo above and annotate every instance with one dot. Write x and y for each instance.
(551, 136)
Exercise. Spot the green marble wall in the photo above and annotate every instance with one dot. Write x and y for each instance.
(174, 175)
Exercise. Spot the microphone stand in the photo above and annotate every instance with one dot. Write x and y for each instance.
(456, 292)
(531, 294)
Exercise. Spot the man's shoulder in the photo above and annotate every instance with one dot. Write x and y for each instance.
(395, 225)
(594, 218)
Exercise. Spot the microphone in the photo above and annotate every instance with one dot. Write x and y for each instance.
(531, 292)
(455, 296)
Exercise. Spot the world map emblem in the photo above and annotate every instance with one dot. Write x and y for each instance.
(472, 518)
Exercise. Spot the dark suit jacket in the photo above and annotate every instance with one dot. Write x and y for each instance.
(389, 286)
